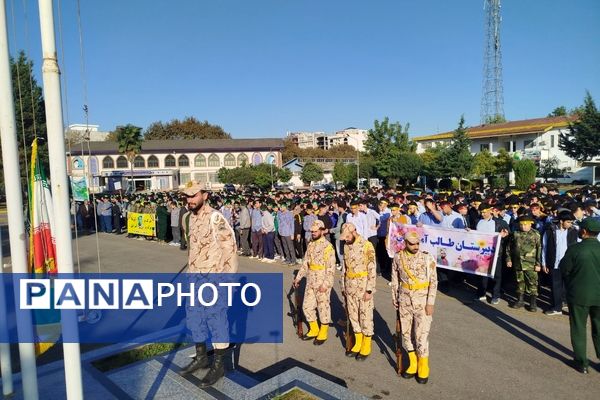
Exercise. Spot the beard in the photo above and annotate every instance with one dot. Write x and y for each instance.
(195, 208)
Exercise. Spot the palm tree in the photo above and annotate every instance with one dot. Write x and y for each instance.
(129, 138)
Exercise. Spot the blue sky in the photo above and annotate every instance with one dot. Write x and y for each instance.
(260, 68)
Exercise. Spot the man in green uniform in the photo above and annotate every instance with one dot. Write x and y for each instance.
(524, 252)
(580, 269)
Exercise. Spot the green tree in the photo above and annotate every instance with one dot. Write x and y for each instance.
(311, 172)
(30, 116)
(581, 142)
(525, 172)
(340, 173)
(433, 162)
(457, 159)
(188, 128)
(560, 111)
(129, 138)
(504, 162)
(495, 119)
(284, 175)
(385, 143)
(549, 168)
(408, 167)
(484, 165)
(225, 174)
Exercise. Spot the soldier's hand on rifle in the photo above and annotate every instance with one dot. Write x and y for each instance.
(537, 268)
(295, 283)
(429, 309)
(395, 304)
(322, 289)
(509, 264)
(368, 296)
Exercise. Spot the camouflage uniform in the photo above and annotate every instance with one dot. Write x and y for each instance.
(414, 285)
(212, 249)
(359, 276)
(525, 252)
(319, 268)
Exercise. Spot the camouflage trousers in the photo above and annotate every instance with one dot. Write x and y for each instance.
(315, 300)
(360, 313)
(527, 282)
(415, 324)
(206, 323)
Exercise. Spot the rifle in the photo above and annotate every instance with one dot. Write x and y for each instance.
(398, 340)
(295, 311)
(348, 336)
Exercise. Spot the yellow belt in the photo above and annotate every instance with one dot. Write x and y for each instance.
(415, 286)
(354, 275)
(316, 267)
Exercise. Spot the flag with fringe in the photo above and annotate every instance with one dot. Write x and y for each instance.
(42, 248)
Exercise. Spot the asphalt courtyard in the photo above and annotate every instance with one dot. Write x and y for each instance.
(476, 350)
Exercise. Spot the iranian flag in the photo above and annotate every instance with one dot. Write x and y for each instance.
(42, 244)
(42, 250)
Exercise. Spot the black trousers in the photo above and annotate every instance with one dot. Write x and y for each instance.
(373, 240)
(557, 289)
(496, 290)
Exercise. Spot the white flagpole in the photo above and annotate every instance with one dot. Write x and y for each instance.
(5, 362)
(60, 190)
(14, 203)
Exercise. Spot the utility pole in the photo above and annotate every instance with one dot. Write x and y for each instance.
(60, 192)
(14, 205)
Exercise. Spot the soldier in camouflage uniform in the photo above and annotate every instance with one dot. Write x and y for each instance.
(524, 254)
(318, 267)
(414, 286)
(358, 285)
(212, 250)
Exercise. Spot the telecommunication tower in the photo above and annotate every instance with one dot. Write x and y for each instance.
(492, 100)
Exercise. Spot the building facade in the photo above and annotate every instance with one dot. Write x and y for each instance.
(166, 164)
(312, 140)
(535, 139)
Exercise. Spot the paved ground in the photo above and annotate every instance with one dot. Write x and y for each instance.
(477, 350)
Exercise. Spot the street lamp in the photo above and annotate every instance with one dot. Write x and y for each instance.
(347, 135)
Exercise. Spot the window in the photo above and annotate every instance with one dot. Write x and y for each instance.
(229, 160)
(108, 163)
(200, 161)
(507, 146)
(527, 144)
(139, 162)
(256, 159)
(183, 178)
(551, 140)
(213, 177)
(271, 159)
(152, 162)
(200, 177)
(213, 161)
(122, 162)
(77, 163)
(170, 161)
(484, 147)
(183, 161)
(242, 159)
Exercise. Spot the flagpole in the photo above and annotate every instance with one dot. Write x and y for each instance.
(60, 191)
(5, 362)
(14, 203)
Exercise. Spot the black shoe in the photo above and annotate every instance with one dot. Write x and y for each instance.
(519, 303)
(532, 304)
(351, 354)
(582, 370)
(360, 357)
(422, 380)
(216, 371)
(406, 375)
(307, 338)
(200, 361)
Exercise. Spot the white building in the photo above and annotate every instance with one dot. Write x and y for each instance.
(166, 164)
(310, 140)
(353, 136)
(535, 139)
(76, 132)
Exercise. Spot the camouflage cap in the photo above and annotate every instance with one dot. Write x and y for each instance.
(347, 230)
(191, 188)
(412, 237)
(318, 224)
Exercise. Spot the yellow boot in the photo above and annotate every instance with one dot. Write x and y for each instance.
(423, 370)
(312, 332)
(365, 349)
(412, 366)
(322, 337)
(358, 339)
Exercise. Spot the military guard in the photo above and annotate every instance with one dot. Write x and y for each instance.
(318, 267)
(358, 285)
(212, 249)
(414, 286)
(524, 252)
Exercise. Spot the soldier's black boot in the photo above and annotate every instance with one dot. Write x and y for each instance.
(532, 304)
(200, 361)
(519, 303)
(216, 371)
